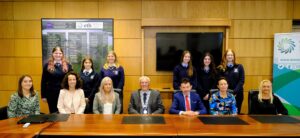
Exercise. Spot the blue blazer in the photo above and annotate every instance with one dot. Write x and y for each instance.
(179, 103)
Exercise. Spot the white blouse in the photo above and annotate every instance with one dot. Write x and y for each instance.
(71, 102)
(107, 108)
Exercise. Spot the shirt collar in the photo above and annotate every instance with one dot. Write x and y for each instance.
(89, 71)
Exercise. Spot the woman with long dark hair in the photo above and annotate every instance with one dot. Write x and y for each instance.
(207, 78)
(89, 78)
(71, 98)
(25, 101)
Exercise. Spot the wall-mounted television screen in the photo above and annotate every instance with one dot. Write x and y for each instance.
(78, 38)
(169, 48)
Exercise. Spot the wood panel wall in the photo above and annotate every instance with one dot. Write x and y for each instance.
(250, 35)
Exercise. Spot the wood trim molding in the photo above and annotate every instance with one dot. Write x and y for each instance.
(156, 22)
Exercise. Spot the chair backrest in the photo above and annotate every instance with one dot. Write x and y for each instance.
(3, 113)
(212, 91)
(251, 94)
(176, 91)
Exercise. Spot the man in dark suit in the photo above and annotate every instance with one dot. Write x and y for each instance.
(145, 100)
(186, 102)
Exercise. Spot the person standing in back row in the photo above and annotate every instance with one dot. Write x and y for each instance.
(185, 70)
(115, 71)
(89, 78)
(207, 78)
(234, 74)
(53, 74)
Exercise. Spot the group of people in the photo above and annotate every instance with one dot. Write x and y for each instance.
(68, 92)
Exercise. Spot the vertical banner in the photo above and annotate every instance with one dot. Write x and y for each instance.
(286, 70)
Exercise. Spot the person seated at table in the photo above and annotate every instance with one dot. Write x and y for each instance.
(25, 101)
(266, 102)
(186, 102)
(222, 102)
(71, 98)
(106, 101)
(145, 100)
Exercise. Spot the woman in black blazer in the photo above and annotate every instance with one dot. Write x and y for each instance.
(90, 78)
(207, 78)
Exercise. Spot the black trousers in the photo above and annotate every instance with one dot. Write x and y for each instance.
(239, 100)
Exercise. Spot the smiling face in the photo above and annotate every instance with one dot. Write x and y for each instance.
(26, 83)
(57, 54)
(206, 61)
(72, 81)
(222, 85)
(107, 86)
(111, 58)
(266, 87)
(230, 56)
(185, 88)
(87, 64)
(186, 58)
(144, 83)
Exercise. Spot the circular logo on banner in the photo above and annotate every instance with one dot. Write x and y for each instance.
(286, 45)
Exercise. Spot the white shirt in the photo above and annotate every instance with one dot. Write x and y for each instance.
(107, 108)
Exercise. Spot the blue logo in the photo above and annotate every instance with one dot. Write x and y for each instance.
(286, 45)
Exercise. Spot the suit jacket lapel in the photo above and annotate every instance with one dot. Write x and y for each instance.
(139, 105)
(183, 102)
(113, 105)
(150, 99)
(191, 101)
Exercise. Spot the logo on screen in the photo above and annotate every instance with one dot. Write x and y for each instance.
(286, 45)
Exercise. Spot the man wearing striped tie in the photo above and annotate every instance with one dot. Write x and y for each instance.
(186, 102)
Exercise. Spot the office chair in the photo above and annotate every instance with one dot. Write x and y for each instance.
(3, 113)
(176, 91)
(251, 94)
(212, 91)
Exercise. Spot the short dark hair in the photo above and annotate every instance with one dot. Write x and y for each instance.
(185, 81)
(65, 84)
(222, 78)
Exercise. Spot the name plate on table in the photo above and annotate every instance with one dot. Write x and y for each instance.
(274, 119)
(223, 120)
(143, 120)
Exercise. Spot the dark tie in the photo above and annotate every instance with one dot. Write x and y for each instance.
(145, 97)
(57, 64)
(86, 73)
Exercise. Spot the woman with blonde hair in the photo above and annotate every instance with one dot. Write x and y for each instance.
(106, 101)
(115, 71)
(266, 102)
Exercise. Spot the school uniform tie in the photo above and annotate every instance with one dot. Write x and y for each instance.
(187, 103)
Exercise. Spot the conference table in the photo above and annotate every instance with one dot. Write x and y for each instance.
(91, 125)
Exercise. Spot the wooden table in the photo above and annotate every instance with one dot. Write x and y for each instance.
(109, 125)
(192, 126)
(10, 129)
(175, 126)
